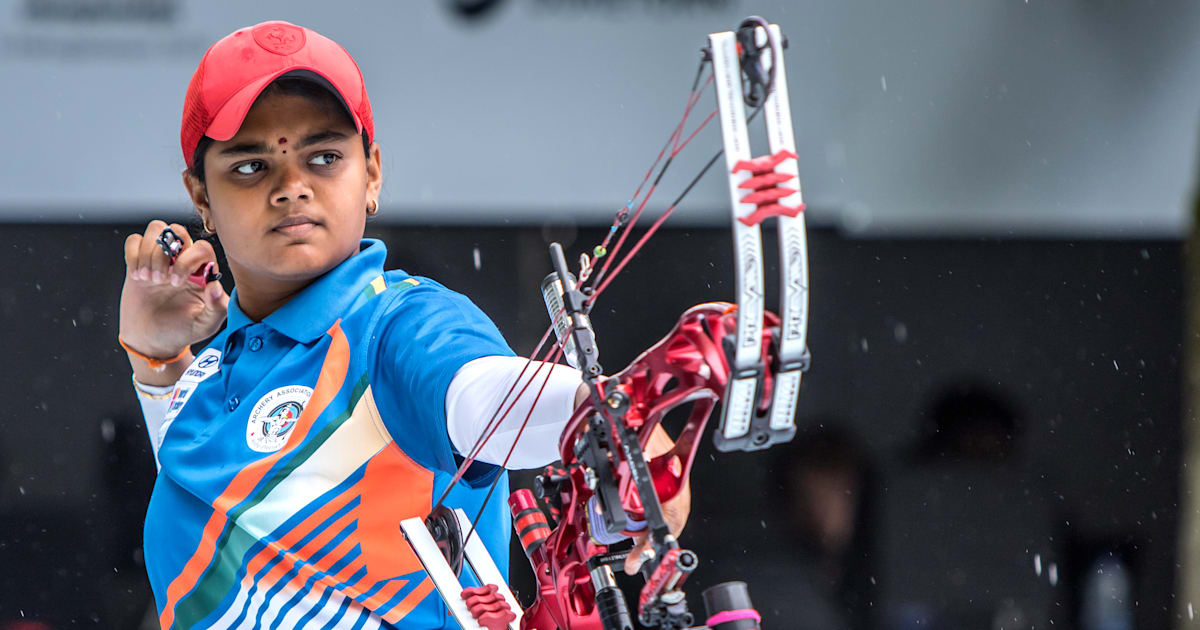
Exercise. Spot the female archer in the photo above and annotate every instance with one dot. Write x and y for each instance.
(340, 397)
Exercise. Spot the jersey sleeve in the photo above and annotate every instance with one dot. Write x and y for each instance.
(425, 334)
(483, 385)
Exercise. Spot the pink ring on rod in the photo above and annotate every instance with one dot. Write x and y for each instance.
(733, 615)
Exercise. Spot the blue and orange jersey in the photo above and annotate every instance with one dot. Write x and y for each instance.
(293, 448)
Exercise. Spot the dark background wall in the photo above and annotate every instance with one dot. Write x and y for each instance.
(1082, 338)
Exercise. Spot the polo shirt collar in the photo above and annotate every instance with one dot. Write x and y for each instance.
(313, 311)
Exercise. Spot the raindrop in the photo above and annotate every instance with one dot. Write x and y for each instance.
(1053, 574)
(883, 82)
(475, 255)
(1037, 563)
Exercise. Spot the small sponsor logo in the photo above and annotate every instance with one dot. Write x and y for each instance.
(274, 416)
(202, 367)
(178, 399)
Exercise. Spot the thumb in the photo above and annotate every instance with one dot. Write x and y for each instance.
(215, 299)
(633, 562)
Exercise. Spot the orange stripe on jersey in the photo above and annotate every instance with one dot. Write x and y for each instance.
(376, 601)
(394, 488)
(329, 383)
(348, 571)
(409, 602)
(307, 570)
(335, 581)
(288, 561)
(288, 540)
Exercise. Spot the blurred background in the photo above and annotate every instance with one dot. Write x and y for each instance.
(994, 433)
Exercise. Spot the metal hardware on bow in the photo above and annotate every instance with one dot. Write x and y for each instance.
(575, 524)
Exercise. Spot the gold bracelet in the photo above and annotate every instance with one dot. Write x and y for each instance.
(141, 392)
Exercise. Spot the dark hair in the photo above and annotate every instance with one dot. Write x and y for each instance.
(289, 86)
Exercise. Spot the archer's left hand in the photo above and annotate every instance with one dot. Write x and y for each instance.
(675, 511)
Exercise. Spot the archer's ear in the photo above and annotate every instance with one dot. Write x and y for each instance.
(374, 171)
(198, 194)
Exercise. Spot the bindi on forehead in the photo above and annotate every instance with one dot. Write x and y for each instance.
(283, 141)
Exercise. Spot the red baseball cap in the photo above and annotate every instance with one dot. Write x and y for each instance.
(236, 69)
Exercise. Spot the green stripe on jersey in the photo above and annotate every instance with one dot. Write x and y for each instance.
(234, 543)
(379, 285)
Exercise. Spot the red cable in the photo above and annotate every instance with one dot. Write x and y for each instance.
(521, 431)
(672, 141)
(494, 423)
(650, 231)
(685, 142)
(691, 103)
(624, 261)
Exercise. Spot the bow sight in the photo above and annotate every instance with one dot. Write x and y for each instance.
(605, 491)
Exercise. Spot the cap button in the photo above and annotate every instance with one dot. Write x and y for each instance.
(279, 38)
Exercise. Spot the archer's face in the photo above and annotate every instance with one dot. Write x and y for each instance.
(288, 194)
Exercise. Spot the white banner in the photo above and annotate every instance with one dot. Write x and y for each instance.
(922, 117)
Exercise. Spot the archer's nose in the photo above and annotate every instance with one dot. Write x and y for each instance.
(292, 186)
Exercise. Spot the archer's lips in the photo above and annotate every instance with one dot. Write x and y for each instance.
(297, 225)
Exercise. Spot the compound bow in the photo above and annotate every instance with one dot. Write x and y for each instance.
(605, 490)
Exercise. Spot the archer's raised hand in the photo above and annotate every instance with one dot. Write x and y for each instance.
(675, 510)
(162, 312)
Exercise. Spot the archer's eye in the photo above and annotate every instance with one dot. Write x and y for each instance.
(324, 159)
(249, 168)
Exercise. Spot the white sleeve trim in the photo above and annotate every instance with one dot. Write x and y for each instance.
(154, 400)
(477, 391)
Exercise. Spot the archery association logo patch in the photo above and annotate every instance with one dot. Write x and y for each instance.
(274, 416)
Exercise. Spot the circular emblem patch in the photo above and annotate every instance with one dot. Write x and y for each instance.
(274, 416)
(281, 39)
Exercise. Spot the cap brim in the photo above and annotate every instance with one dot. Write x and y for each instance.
(229, 118)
